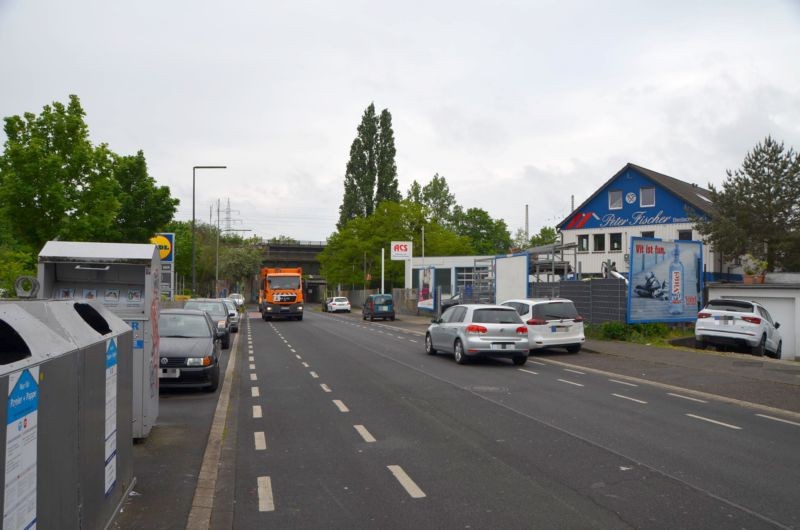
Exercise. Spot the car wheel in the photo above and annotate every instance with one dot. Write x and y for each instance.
(458, 352)
(777, 353)
(300, 317)
(214, 381)
(574, 348)
(363, 316)
(762, 345)
(429, 349)
(520, 360)
(226, 342)
(263, 317)
(372, 318)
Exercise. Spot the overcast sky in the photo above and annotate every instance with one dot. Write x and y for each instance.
(513, 102)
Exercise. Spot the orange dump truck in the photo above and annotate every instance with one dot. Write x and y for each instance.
(280, 293)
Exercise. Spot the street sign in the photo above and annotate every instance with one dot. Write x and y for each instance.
(401, 250)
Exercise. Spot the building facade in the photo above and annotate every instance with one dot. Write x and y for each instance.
(638, 202)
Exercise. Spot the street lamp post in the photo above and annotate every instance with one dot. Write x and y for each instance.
(194, 273)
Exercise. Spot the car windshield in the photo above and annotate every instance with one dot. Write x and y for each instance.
(730, 305)
(340, 300)
(383, 299)
(284, 282)
(215, 309)
(188, 326)
(555, 311)
(231, 305)
(496, 316)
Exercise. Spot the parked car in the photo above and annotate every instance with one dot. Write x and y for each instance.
(219, 314)
(325, 304)
(742, 323)
(238, 299)
(233, 314)
(188, 349)
(479, 330)
(551, 322)
(378, 306)
(339, 303)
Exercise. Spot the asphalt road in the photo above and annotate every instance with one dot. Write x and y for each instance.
(340, 423)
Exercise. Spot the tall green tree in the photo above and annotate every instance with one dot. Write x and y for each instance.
(757, 210)
(371, 172)
(239, 264)
(53, 182)
(438, 200)
(547, 236)
(145, 208)
(488, 236)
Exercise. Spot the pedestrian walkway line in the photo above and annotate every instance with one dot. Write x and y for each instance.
(203, 500)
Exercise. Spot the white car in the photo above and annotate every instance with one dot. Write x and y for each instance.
(729, 322)
(551, 322)
(238, 298)
(339, 303)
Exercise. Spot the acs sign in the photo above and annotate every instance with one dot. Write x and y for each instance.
(401, 250)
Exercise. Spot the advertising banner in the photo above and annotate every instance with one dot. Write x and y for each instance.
(22, 426)
(401, 250)
(665, 280)
(426, 300)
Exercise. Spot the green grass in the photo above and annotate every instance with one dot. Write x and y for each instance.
(655, 334)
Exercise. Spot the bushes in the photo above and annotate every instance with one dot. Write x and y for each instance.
(629, 332)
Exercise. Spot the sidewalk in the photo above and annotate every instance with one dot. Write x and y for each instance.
(734, 376)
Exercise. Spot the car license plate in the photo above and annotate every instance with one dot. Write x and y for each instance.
(169, 373)
(383, 308)
(559, 329)
(500, 346)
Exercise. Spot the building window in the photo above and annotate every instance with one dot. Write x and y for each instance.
(615, 200)
(583, 243)
(616, 242)
(647, 197)
(649, 234)
(599, 242)
(684, 235)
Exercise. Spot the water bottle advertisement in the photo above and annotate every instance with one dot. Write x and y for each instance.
(665, 280)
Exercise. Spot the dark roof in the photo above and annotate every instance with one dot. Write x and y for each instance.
(695, 196)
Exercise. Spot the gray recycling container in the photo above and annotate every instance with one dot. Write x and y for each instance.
(65, 377)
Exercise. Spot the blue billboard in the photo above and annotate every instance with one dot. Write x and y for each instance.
(665, 282)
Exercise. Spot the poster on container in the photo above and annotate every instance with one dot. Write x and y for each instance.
(665, 280)
(426, 289)
(111, 416)
(21, 442)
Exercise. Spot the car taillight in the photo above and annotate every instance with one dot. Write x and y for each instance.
(578, 319)
(752, 320)
(474, 328)
(703, 315)
(522, 330)
(536, 322)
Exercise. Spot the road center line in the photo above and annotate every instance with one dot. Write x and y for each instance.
(364, 433)
(622, 382)
(252, 367)
(265, 500)
(570, 382)
(574, 371)
(251, 359)
(314, 375)
(253, 377)
(630, 398)
(293, 350)
(254, 391)
(410, 486)
(715, 422)
(257, 411)
(342, 406)
(528, 371)
(325, 387)
(686, 397)
(260, 441)
(305, 365)
(298, 356)
(779, 419)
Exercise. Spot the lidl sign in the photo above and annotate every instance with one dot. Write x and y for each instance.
(166, 246)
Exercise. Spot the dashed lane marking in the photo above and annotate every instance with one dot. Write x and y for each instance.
(630, 399)
(305, 365)
(528, 371)
(314, 375)
(686, 397)
(341, 406)
(574, 371)
(570, 382)
(622, 382)
(325, 387)
(257, 411)
(779, 419)
(709, 420)
(254, 391)
(409, 485)
(364, 433)
(253, 377)
(265, 501)
(252, 366)
(260, 441)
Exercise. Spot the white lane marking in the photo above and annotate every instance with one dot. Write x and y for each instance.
(342, 406)
(364, 433)
(252, 366)
(260, 440)
(728, 425)
(314, 375)
(536, 362)
(528, 371)
(570, 382)
(686, 397)
(325, 387)
(265, 501)
(254, 391)
(630, 398)
(410, 486)
(622, 382)
(305, 365)
(293, 350)
(412, 340)
(251, 359)
(257, 411)
(574, 371)
(779, 419)
(298, 356)
(253, 377)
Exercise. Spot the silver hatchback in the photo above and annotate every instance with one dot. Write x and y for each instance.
(479, 330)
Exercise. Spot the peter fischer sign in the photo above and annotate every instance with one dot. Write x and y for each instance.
(640, 218)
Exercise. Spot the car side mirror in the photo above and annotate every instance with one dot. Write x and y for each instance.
(777, 325)
(232, 314)
(436, 320)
